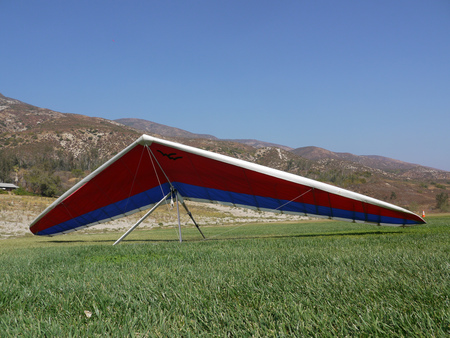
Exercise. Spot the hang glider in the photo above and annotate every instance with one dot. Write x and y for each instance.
(150, 171)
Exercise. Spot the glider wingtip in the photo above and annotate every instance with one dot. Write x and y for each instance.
(421, 220)
(35, 233)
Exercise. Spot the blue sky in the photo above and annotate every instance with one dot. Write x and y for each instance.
(365, 77)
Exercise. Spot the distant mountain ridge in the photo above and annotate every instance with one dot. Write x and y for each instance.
(310, 152)
(373, 161)
(161, 129)
(260, 144)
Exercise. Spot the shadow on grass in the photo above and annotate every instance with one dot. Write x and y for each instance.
(217, 238)
(333, 234)
(114, 240)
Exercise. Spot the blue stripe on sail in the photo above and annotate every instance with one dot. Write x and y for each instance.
(261, 202)
(153, 195)
(133, 203)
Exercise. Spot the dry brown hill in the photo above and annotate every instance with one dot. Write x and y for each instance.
(385, 164)
(154, 128)
(260, 144)
(22, 123)
(374, 161)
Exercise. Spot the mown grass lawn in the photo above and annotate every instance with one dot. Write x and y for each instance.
(308, 279)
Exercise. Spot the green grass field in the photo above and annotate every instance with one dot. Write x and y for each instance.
(317, 278)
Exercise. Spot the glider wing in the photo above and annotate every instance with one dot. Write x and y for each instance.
(142, 174)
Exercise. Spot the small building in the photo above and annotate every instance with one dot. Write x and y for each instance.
(8, 186)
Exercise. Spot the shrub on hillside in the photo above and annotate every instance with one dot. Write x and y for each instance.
(43, 183)
(442, 201)
(22, 192)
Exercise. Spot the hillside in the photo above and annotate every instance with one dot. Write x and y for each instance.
(260, 144)
(373, 161)
(38, 143)
(385, 164)
(153, 128)
(27, 129)
(166, 131)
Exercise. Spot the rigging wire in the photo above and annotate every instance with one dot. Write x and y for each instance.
(159, 165)
(171, 205)
(292, 200)
(237, 227)
(134, 179)
(150, 154)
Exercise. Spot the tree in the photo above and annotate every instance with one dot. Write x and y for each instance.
(442, 201)
(77, 173)
(43, 183)
(7, 163)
